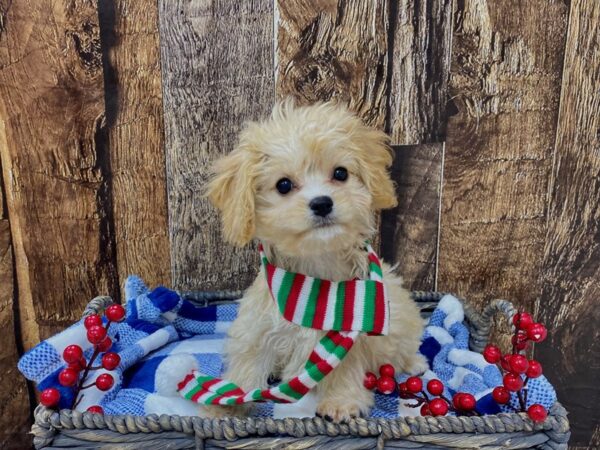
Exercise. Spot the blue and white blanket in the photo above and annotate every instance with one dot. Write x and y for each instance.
(163, 337)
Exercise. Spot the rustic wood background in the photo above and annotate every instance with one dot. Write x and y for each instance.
(111, 111)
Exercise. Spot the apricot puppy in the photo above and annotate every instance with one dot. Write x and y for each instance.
(307, 183)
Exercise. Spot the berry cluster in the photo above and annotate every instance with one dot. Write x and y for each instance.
(75, 373)
(517, 370)
(435, 404)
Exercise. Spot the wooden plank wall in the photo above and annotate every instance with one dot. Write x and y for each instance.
(111, 112)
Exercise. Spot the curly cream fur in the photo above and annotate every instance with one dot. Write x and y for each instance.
(306, 144)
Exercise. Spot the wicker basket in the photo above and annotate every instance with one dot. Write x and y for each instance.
(73, 429)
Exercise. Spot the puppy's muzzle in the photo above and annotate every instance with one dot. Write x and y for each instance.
(321, 206)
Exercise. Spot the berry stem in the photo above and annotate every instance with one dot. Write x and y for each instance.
(86, 371)
(78, 401)
(521, 401)
(450, 405)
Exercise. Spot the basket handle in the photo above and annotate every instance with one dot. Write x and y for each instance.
(481, 323)
(96, 305)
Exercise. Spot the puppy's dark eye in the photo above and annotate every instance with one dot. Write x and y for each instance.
(340, 174)
(284, 185)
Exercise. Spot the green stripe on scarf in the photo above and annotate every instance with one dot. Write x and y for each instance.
(284, 290)
(369, 311)
(339, 306)
(311, 304)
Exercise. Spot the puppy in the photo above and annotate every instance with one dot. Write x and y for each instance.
(307, 183)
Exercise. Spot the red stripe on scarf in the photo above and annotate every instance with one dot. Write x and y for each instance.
(338, 339)
(321, 364)
(197, 395)
(182, 383)
(270, 272)
(321, 307)
(266, 393)
(349, 305)
(236, 391)
(374, 259)
(324, 367)
(314, 357)
(298, 386)
(379, 309)
(290, 306)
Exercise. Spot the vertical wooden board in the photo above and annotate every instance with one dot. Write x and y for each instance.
(217, 66)
(334, 49)
(571, 278)
(14, 398)
(505, 88)
(420, 66)
(54, 165)
(131, 57)
(409, 232)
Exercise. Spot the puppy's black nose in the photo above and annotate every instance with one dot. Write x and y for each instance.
(321, 206)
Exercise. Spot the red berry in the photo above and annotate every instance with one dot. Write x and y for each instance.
(105, 344)
(512, 382)
(403, 390)
(115, 313)
(456, 400)
(111, 361)
(105, 381)
(438, 407)
(386, 385)
(50, 397)
(414, 384)
(491, 354)
(425, 410)
(537, 412)
(68, 377)
(387, 370)
(505, 362)
(72, 354)
(95, 409)
(435, 387)
(519, 340)
(466, 402)
(522, 320)
(96, 334)
(534, 370)
(501, 395)
(369, 381)
(537, 332)
(518, 364)
(92, 320)
(76, 367)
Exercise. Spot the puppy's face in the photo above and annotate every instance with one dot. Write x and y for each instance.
(306, 181)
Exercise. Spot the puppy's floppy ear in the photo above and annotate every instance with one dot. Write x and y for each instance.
(232, 190)
(375, 158)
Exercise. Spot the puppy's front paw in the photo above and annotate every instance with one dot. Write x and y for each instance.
(417, 365)
(339, 412)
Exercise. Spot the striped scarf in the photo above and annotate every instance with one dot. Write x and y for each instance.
(344, 309)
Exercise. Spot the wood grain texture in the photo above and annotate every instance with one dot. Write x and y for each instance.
(334, 49)
(14, 398)
(571, 278)
(409, 232)
(505, 86)
(53, 161)
(420, 68)
(132, 78)
(217, 66)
